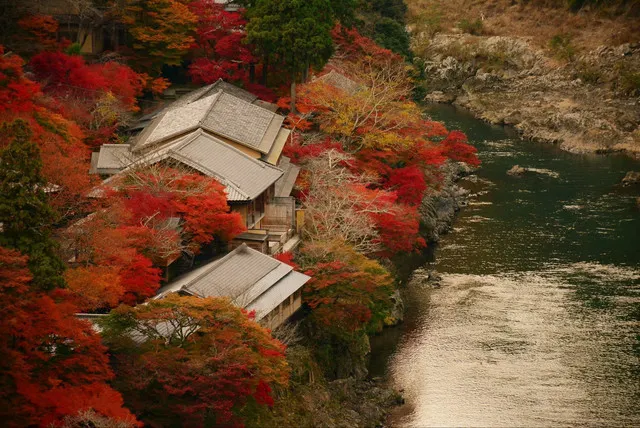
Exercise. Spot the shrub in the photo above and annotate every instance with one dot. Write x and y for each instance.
(561, 47)
(472, 27)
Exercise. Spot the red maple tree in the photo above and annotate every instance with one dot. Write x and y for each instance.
(51, 363)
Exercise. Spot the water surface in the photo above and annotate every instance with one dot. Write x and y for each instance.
(537, 321)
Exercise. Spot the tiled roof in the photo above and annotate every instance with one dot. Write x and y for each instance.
(285, 184)
(227, 112)
(271, 298)
(245, 178)
(174, 122)
(243, 122)
(113, 157)
(340, 81)
(249, 176)
(246, 276)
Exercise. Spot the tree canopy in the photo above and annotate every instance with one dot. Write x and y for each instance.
(25, 214)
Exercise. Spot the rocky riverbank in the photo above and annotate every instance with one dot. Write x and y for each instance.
(590, 103)
(439, 206)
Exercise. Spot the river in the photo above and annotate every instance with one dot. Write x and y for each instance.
(537, 319)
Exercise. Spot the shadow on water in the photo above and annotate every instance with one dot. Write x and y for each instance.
(538, 319)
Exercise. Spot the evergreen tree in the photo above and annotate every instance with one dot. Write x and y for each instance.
(296, 33)
(25, 214)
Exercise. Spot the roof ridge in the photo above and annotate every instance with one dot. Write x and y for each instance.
(206, 113)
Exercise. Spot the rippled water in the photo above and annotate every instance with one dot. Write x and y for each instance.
(537, 320)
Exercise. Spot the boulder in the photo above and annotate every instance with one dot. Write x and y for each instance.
(632, 177)
(517, 170)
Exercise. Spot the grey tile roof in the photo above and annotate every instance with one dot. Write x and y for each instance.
(220, 113)
(246, 276)
(175, 122)
(271, 298)
(340, 81)
(245, 123)
(285, 184)
(113, 157)
(237, 170)
(244, 177)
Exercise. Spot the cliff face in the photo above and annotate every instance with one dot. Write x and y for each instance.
(570, 91)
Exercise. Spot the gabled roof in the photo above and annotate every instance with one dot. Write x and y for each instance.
(340, 81)
(285, 184)
(249, 278)
(112, 158)
(245, 178)
(228, 113)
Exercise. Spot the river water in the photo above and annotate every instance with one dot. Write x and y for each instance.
(537, 319)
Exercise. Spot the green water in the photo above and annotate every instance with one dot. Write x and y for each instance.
(537, 322)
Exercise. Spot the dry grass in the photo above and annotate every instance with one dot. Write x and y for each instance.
(539, 24)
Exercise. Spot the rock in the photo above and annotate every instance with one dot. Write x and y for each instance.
(397, 312)
(506, 80)
(517, 170)
(438, 207)
(632, 177)
(439, 97)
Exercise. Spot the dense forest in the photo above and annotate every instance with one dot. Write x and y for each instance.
(337, 71)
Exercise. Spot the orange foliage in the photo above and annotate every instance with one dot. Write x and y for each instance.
(174, 379)
(95, 287)
(51, 363)
(42, 30)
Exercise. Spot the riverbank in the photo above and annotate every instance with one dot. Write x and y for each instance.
(556, 86)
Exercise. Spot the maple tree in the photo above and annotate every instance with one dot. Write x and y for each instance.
(162, 32)
(349, 296)
(65, 157)
(99, 97)
(168, 373)
(219, 50)
(51, 363)
(40, 32)
(150, 216)
(156, 193)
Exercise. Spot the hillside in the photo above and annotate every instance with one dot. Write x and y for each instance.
(555, 74)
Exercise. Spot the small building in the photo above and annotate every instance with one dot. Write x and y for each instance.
(251, 280)
(223, 132)
(84, 23)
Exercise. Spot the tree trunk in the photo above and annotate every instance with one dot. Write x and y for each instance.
(293, 93)
(305, 73)
(252, 73)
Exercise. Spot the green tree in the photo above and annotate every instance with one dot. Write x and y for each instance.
(392, 35)
(25, 214)
(296, 33)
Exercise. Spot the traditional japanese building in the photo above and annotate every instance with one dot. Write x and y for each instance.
(251, 279)
(226, 133)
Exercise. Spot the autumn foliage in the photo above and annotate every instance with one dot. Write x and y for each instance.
(219, 50)
(51, 363)
(187, 361)
(99, 97)
(150, 217)
(362, 104)
(65, 157)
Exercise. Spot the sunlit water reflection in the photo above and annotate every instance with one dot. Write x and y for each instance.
(537, 320)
